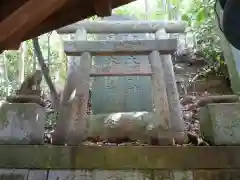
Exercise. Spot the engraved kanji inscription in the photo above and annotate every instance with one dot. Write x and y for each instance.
(130, 76)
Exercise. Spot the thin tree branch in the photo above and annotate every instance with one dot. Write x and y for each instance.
(45, 71)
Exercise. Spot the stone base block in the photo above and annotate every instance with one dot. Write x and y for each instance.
(21, 123)
(220, 123)
(145, 174)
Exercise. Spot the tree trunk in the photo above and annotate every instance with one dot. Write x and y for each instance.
(147, 10)
(21, 65)
(169, 10)
(34, 61)
(4, 72)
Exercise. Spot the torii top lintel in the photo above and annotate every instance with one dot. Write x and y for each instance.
(24, 19)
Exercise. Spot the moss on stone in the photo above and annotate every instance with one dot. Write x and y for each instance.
(111, 158)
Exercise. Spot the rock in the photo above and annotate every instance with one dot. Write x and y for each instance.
(220, 123)
(187, 116)
(21, 123)
(187, 99)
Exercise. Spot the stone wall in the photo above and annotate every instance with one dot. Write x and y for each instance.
(23, 174)
(101, 163)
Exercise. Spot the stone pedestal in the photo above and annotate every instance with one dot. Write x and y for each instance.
(21, 123)
(220, 123)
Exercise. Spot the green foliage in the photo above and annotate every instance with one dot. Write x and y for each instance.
(202, 23)
(50, 120)
(9, 64)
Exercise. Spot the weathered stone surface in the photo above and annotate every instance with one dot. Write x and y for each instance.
(13, 174)
(122, 70)
(118, 26)
(121, 94)
(206, 124)
(204, 174)
(127, 47)
(123, 157)
(217, 174)
(94, 174)
(82, 174)
(99, 175)
(37, 175)
(182, 175)
(135, 126)
(162, 175)
(121, 174)
(70, 175)
(21, 123)
(220, 123)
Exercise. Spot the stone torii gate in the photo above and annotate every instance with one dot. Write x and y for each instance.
(158, 52)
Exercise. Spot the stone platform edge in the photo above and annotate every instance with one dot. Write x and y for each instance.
(112, 158)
